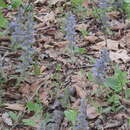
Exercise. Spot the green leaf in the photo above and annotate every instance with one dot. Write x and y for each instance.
(16, 3)
(29, 122)
(76, 3)
(129, 121)
(127, 93)
(113, 83)
(3, 21)
(34, 107)
(127, 1)
(3, 4)
(58, 67)
(13, 116)
(79, 50)
(37, 70)
(114, 99)
(90, 76)
(71, 115)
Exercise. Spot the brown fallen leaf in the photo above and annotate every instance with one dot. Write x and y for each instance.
(43, 68)
(91, 39)
(58, 35)
(53, 2)
(80, 92)
(120, 54)
(25, 89)
(111, 45)
(40, 1)
(114, 14)
(82, 26)
(127, 39)
(61, 44)
(79, 83)
(76, 103)
(49, 17)
(43, 96)
(15, 106)
(125, 101)
(118, 27)
(99, 45)
(91, 112)
(120, 116)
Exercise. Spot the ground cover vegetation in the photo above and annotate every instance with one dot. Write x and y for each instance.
(65, 64)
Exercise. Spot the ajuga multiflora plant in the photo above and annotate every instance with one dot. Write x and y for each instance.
(100, 67)
(100, 9)
(81, 120)
(22, 37)
(70, 24)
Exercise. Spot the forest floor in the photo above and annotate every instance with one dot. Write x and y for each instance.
(60, 83)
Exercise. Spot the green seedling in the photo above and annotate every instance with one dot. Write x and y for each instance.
(3, 21)
(16, 3)
(71, 115)
(77, 3)
(14, 116)
(118, 81)
(58, 67)
(34, 107)
(29, 122)
(84, 32)
(126, 7)
(79, 50)
(37, 70)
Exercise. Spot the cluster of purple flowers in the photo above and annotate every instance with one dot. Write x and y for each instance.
(22, 35)
(100, 67)
(70, 29)
(81, 121)
(22, 31)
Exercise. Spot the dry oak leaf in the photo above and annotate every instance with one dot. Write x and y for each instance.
(53, 2)
(25, 89)
(61, 44)
(82, 26)
(79, 83)
(91, 39)
(116, 25)
(15, 106)
(91, 112)
(120, 54)
(111, 45)
(43, 96)
(113, 14)
(127, 38)
(40, 1)
(49, 17)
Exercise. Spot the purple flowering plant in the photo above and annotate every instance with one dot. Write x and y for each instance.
(70, 24)
(22, 37)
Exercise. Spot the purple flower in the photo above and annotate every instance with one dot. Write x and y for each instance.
(100, 67)
(70, 28)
